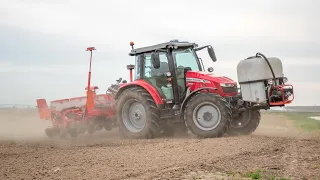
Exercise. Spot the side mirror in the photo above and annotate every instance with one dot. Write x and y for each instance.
(210, 69)
(212, 54)
(155, 60)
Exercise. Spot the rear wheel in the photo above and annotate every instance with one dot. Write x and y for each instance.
(137, 114)
(208, 115)
(245, 124)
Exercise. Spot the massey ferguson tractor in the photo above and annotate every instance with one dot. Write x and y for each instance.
(171, 91)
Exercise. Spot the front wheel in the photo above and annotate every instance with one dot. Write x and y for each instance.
(245, 124)
(208, 115)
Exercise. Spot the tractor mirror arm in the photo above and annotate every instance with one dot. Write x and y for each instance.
(200, 48)
(210, 52)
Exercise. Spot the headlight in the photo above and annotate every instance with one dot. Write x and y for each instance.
(270, 81)
(227, 85)
(168, 74)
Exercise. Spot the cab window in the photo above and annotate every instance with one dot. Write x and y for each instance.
(186, 58)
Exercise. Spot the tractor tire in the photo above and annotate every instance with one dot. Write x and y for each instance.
(246, 124)
(137, 114)
(208, 115)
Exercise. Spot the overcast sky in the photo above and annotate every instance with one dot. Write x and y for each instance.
(43, 42)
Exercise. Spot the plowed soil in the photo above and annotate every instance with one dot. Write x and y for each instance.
(276, 150)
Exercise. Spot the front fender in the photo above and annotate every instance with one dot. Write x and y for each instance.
(148, 87)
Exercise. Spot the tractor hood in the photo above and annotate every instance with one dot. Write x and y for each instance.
(199, 75)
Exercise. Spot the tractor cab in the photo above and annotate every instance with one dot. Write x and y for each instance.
(164, 66)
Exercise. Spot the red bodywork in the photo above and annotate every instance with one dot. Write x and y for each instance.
(196, 80)
(199, 79)
(152, 90)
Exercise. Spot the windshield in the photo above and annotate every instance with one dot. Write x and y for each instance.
(186, 58)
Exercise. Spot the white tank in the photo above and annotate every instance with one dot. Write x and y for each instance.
(252, 73)
(256, 68)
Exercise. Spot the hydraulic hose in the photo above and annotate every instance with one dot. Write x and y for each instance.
(264, 57)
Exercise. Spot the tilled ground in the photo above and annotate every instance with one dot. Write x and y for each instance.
(276, 149)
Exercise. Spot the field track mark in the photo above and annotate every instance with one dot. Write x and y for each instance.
(291, 159)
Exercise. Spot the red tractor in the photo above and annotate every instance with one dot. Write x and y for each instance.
(171, 91)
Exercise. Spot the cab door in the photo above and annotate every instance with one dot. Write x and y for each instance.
(156, 77)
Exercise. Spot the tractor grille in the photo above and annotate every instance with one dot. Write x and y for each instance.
(230, 89)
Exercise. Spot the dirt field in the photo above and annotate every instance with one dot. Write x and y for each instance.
(276, 150)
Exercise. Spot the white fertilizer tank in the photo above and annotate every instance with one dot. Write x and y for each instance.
(252, 74)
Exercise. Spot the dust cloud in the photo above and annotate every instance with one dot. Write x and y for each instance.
(21, 124)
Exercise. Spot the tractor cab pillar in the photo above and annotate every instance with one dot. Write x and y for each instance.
(175, 87)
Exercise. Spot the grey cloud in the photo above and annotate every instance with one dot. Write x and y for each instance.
(27, 48)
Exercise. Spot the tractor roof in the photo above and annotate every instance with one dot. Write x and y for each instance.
(163, 46)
